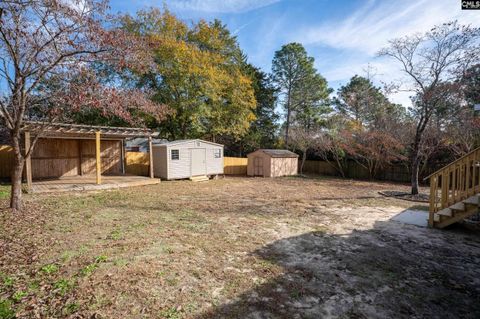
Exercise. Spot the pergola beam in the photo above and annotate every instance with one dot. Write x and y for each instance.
(62, 129)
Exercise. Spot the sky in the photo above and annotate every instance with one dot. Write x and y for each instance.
(343, 36)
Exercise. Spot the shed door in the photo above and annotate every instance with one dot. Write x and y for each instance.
(198, 163)
(258, 166)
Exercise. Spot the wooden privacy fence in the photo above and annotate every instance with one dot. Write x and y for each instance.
(235, 165)
(6, 161)
(137, 163)
(353, 170)
(317, 167)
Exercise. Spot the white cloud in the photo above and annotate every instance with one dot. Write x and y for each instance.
(382, 71)
(402, 98)
(369, 28)
(219, 6)
(78, 5)
(237, 30)
(266, 39)
(362, 34)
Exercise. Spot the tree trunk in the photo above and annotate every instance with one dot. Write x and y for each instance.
(304, 157)
(287, 122)
(17, 171)
(339, 167)
(287, 126)
(371, 169)
(415, 166)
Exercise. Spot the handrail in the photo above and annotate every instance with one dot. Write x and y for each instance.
(452, 163)
(455, 182)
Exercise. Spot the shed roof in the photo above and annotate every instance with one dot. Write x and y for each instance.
(142, 143)
(277, 153)
(178, 142)
(46, 129)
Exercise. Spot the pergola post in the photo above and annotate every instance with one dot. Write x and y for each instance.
(150, 153)
(123, 155)
(28, 162)
(98, 157)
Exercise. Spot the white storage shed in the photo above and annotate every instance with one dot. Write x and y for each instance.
(187, 158)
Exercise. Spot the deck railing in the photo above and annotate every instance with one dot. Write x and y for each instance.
(455, 182)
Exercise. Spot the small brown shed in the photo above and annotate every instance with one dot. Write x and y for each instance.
(272, 163)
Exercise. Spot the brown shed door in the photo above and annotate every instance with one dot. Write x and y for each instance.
(258, 166)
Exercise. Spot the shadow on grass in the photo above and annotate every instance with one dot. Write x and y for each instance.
(390, 271)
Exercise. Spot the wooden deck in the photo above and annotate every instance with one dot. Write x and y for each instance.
(87, 183)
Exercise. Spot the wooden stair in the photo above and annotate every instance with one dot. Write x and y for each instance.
(200, 178)
(457, 212)
(455, 191)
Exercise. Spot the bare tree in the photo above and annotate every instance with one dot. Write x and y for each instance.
(464, 131)
(430, 60)
(302, 140)
(330, 149)
(374, 150)
(45, 39)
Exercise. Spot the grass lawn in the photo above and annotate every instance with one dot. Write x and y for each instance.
(233, 248)
(4, 191)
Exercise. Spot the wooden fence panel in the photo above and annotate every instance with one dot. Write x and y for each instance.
(318, 167)
(235, 165)
(137, 163)
(395, 173)
(6, 161)
(356, 171)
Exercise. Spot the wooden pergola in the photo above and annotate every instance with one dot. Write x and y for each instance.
(44, 130)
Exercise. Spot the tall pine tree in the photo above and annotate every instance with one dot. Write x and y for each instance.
(304, 92)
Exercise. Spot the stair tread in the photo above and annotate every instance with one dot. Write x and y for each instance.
(473, 200)
(458, 206)
(445, 212)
